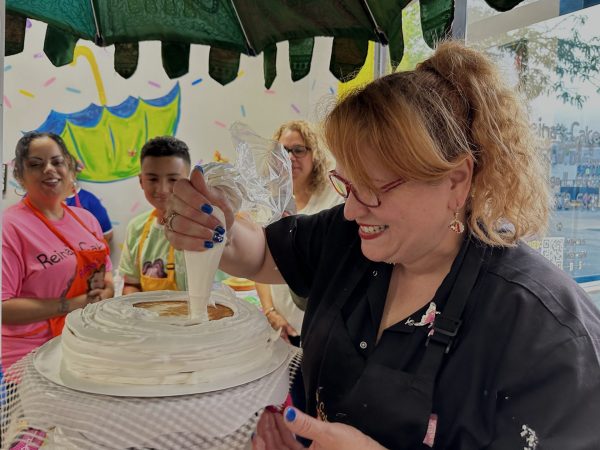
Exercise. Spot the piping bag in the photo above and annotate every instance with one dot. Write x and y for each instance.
(258, 185)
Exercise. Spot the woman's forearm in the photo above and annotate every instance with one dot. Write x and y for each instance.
(264, 295)
(247, 254)
(21, 311)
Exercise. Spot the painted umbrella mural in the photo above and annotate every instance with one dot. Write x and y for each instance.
(107, 139)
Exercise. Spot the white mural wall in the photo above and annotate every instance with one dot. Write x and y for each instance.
(33, 87)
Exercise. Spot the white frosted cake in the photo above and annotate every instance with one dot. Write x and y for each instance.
(148, 339)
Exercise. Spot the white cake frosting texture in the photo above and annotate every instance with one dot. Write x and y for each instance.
(114, 342)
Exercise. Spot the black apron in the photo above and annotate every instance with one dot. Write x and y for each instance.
(390, 405)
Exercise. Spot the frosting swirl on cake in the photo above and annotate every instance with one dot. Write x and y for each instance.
(115, 342)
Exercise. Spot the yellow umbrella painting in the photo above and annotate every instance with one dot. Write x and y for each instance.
(107, 139)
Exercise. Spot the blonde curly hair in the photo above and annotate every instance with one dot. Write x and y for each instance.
(320, 158)
(423, 123)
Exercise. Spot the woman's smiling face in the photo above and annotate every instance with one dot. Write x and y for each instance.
(46, 175)
(411, 222)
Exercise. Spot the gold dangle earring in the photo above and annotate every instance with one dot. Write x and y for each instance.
(456, 225)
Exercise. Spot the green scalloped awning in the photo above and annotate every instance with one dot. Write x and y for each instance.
(230, 28)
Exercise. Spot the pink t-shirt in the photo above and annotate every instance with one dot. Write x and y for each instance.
(37, 264)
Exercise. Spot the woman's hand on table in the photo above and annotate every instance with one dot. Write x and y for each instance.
(273, 432)
(189, 223)
(91, 296)
(95, 295)
(277, 321)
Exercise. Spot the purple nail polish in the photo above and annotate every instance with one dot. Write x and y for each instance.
(218, 238)
(219, 229)
(206, 208)
(208, 244)
(290, 414)
(199, 168)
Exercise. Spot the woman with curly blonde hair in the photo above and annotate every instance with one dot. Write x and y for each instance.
(429, 322)
(300, 140)
(312, 194)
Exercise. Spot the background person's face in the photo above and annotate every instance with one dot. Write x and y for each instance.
(157, 177)
(46, 174)
(301, 167)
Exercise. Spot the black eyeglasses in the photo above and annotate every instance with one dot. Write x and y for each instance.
(299, 151)
(366, 197)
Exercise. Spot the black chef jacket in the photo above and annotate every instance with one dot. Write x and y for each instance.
(523, 372)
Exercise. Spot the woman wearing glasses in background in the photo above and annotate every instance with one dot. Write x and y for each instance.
(429, 322)
(312, 193)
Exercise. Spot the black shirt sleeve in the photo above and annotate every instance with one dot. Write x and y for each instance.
(298, 245)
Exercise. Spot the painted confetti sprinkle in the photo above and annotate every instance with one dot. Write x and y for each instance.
(198, 81)
(7, 102)
(243, 110)
(7, 68)
(26, 93)
(220, 124)
(154, 83)
(49, 81)
(295, 108)
(73, 90)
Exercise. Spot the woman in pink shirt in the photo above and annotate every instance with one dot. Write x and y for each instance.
(49, 251)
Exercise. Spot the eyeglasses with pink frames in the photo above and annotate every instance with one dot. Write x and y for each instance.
(367, 198)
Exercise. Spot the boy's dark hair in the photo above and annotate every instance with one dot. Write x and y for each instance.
(166, 146)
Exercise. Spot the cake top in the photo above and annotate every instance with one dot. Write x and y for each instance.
(180, 308)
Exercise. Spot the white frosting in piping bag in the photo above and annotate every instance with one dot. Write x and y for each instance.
(201, 268)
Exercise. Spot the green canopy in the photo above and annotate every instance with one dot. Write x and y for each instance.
(230, 28)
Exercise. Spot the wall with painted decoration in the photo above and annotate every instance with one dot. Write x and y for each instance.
(194, 108)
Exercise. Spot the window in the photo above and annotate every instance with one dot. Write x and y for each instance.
(553, 55)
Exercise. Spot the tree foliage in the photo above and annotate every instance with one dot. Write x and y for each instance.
(552, 62)
(415, 48)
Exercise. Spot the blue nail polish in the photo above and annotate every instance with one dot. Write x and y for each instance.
(218, 238)
(219, 229)
(206, 208)
(199, 168)
(208, 244)
(290, 414)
